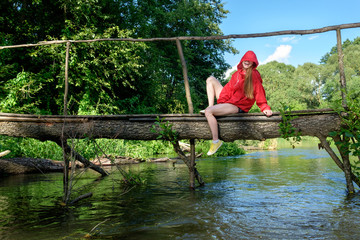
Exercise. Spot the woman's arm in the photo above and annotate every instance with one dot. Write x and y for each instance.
(259, 94)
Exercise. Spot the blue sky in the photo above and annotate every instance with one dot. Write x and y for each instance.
(276, 15)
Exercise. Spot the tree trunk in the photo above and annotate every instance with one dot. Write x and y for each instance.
(336, 159)
(29, 165)
(245, 126)
(346, 163)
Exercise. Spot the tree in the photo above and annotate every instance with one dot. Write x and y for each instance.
(278, 81)
(330, 72)
(309, 81)
(171, 19)
(138, 78)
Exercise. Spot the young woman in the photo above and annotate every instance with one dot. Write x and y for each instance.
(237, 96)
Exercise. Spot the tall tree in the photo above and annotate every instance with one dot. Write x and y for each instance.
(172, 18)
(132, 77)
(309, 81)
(278, 81)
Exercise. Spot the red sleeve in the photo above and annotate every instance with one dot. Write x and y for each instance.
(259, 92)
(227, 91)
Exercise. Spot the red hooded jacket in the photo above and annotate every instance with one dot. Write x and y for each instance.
(233, 91)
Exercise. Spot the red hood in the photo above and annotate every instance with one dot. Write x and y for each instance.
(248, 56)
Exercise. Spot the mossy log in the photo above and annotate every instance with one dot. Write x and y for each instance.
(247, 126)
(29, 165)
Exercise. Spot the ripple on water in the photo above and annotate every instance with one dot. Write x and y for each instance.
(285, 194)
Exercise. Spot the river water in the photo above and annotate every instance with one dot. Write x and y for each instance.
(282, 194)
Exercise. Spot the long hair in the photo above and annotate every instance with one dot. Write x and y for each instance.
(248, 83)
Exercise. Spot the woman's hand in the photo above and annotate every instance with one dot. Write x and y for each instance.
(268, 113)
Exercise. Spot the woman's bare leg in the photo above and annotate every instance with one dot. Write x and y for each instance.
(213, 89)
(218, 110)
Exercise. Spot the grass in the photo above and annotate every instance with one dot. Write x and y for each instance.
(32, 148)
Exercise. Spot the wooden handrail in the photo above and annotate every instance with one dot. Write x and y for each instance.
(250, 35)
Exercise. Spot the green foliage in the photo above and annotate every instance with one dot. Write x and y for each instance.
(330, 72)
(110, 77)
(93, 148)
(349, 132)
(128, 77)
(227, 149)
(165, 131)
(89, 148)
(28, 147)
(310, 85)
(279, 85)
(21, 92)
(287, 130)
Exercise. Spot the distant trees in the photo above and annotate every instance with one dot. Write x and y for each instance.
(311, 85)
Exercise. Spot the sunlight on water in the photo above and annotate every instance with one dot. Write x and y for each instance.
(286, 194)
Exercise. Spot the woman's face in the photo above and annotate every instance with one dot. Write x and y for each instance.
(247, 64)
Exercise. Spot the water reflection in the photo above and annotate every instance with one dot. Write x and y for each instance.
(286, 194)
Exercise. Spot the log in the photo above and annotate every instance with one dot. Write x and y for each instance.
(4, 153)
(29, 165)
(11, 166)
(247, 126)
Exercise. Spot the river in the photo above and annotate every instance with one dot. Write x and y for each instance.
(282, 194)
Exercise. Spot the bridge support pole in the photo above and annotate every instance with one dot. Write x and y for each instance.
(192, 163)
(186, 79)
(344, 165)
(66, 189)
(341, 68)
(66, 87)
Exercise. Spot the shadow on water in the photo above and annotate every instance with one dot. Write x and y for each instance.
(286, 194)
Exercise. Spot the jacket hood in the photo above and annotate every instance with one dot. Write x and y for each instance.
(248, 56)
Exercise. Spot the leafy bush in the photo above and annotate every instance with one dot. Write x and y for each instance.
(350, 129)
(227, 149)
(28, 147)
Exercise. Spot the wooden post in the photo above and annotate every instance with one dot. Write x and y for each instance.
(341, 68)
(346, 163)
(66, 191)
(191, 110)
(63, 139)
(186, 79)
(344, 155)
(66, 77)
(338, 162)
(192, 163)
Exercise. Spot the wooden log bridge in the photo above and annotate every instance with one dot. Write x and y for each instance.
(246, 126)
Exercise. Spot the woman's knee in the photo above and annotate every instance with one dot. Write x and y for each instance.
(207, 112)
(211, 79)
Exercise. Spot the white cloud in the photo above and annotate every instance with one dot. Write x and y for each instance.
(313, 37)
(229, 71)
(287, 39)
(267, 45)
(281, 54)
